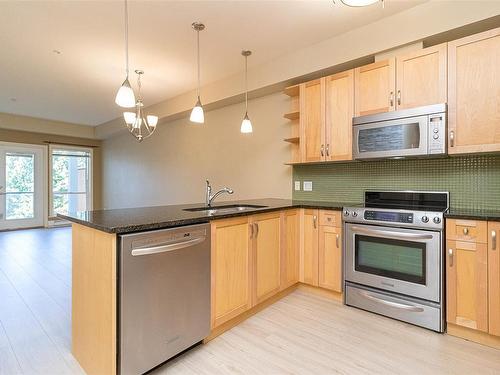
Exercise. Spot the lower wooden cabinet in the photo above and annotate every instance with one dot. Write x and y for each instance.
(330, 258)
(494, 278)
(266, 248)
(467, 284)
(290, 259)
(309, 247)
(231, 269)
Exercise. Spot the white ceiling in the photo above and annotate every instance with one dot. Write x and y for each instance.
(79, 84)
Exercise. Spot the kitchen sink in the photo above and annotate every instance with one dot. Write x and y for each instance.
(227, 209)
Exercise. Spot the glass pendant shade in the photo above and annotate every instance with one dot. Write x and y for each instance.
(152, 121)
(246, 125)
(125, 96)
(129, 117)
(359, 3)
(197, 114)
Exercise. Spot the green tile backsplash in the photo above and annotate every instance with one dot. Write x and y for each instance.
(473, 181)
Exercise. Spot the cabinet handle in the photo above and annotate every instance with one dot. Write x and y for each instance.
(315, 219)
(452, 138)
(391, 99)
(399, 97)
(337, 240)
(466, 231)
(450, 254)
(493, 240)
(322, 150)
(256, 230)
(328, 149)
(251, 230)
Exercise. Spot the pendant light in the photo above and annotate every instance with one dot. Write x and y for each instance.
(197, 114)
(125, 96)
(246, 124)
(138, 124)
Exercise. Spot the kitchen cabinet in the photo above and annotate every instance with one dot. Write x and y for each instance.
(375, 85)
(339, 114)
(467, 284)
(291, 249)
(474, 93)
(309, 247)
(312, 116)
(494, 278)
(231, 269)
(330, 258)
(266, 248)
(421, 77)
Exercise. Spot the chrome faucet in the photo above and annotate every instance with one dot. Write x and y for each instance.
(210, 197)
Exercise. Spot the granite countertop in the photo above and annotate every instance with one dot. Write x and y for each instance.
(128, 220)
(472, 214)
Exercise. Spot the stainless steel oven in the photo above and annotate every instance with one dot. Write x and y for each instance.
(415, 132)
(404, 261)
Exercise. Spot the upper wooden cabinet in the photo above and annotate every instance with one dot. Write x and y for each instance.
(375, 86)
(474, 93)
(421, 77)
(339, 114)
(290, 259)
(494, 278)
(231, 269)
(266, 244)
(312, 117)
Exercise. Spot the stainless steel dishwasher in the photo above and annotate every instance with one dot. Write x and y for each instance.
(164, 295)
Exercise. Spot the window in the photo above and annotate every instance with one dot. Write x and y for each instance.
(19, 185)
(71, 179)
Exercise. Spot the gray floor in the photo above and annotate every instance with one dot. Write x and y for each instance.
(300, 334)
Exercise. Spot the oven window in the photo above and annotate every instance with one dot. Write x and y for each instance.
(389, 138)
(396, 259)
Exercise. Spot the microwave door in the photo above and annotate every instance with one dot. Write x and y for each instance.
(394, 138)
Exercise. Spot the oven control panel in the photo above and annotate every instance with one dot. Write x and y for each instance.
(394, 217)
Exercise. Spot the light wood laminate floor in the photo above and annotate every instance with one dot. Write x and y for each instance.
(300, 334)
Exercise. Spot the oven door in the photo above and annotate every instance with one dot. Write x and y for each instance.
(393, 138)
(405, 261)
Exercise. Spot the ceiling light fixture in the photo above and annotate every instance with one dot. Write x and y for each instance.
(125, 96)
(197, 114)
(138, 124)
(246, 124)
(361, 3)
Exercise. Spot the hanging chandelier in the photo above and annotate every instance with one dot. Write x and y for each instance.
(141, 126)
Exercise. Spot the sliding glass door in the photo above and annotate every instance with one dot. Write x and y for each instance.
(70, 179)
(22, 183)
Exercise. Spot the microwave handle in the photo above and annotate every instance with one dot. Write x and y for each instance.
(395, 235)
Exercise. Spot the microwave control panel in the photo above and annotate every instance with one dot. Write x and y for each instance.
(437, 133)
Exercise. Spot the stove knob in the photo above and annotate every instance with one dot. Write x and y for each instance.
(425, 219)
(436, 220)
(354, 214)
(346, 213)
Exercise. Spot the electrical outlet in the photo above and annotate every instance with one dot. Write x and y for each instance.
(308, 186)
(297, 185)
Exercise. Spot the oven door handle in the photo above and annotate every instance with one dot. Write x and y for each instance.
(397, 305)
(395, 235)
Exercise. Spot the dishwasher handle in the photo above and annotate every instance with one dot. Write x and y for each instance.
(167, 247)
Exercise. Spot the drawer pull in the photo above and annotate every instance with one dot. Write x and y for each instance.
(466, 231)
(315, 219)
(493, 240)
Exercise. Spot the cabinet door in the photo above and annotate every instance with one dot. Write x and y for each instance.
(421, 77)
(339, 114)
(231, 269)
(330, 258)
(494, 278)
(467, 284)
(291, 249)
(312, 117)
(474, 93)
(267, 254)
(374, 87)
(309, 248)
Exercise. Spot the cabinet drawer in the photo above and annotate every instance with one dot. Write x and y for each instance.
(330, 218)
(467, 230)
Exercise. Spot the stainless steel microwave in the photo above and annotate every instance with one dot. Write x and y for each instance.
(415, 132)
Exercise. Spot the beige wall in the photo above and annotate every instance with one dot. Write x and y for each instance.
(171, 167)
(7, 135)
